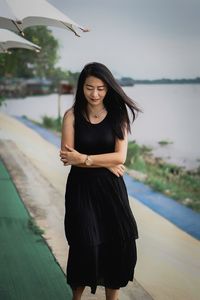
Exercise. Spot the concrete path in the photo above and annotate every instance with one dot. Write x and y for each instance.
(168, 259)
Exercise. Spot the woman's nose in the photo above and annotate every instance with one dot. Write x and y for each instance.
(94, 93)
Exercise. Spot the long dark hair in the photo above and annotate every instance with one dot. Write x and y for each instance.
(115, 101)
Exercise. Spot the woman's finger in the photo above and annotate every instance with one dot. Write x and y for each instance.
(64, 160)
(122, 170)
(63, 152)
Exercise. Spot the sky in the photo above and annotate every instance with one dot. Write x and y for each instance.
(144, 39)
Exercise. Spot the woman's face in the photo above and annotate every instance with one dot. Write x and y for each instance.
(94, 90)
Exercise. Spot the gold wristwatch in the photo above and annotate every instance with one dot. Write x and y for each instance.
(88, 161)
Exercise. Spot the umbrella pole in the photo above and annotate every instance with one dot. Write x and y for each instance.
(18, 28)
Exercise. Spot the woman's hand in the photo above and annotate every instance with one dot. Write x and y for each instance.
(118, 170)
(71, 157)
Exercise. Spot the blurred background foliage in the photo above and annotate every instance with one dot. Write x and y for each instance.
(23, 63)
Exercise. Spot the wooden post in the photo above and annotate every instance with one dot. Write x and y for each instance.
(59, 105)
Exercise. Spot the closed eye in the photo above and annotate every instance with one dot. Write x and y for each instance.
(90, 87)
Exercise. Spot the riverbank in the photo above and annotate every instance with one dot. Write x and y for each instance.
(174, 181)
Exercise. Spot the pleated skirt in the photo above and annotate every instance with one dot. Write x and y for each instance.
(100, 229)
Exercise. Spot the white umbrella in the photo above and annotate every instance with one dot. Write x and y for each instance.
(16, 15)
(10, 39)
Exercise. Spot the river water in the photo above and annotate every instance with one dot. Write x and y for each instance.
(170, 113)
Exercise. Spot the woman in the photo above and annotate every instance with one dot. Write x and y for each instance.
(99, 225)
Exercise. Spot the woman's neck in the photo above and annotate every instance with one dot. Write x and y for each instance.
(95, 109)
(96, 112)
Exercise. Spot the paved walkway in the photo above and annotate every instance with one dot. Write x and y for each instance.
(168, 266)
(28, 270)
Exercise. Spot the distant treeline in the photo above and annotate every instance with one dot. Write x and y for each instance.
(168, 81)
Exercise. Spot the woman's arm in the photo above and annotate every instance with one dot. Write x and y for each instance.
(69, 156)
(67, 141)
(112, 165)
(72, 157)
(107, 160)
(67, 137)
(112, 159)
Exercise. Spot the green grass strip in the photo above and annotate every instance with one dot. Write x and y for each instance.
(28, 269)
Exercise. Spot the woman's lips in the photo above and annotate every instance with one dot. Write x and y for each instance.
(95, 100)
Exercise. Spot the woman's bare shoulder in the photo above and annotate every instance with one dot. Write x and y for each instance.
(69, 115)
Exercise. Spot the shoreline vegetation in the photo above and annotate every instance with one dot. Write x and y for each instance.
(174, 181)
(169, 179)
(168, 81)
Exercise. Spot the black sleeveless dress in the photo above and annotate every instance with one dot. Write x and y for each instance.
(99, 225)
